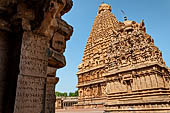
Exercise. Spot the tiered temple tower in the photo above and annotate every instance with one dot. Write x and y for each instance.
(128, 66)
(91, 84)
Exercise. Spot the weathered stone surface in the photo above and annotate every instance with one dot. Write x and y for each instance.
(30, 96)
(61, 32)
(34, 57)
(33, 72)
(29, 29)
(121, 62)
(50, 94)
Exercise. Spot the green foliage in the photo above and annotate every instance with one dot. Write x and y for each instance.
(76, 93)
(59, 94)
(71, 94)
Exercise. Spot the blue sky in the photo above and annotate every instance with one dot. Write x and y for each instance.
(156, 15)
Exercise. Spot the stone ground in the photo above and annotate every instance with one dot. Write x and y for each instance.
(98, 111)
(79, 111)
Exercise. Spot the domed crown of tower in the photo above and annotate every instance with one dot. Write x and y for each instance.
(104, 7)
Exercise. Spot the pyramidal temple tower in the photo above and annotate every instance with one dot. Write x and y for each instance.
(122, 69)
(91, 84)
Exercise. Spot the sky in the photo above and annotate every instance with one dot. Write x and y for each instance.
(156, 15)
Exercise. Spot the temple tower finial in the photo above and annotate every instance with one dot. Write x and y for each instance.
(104, 7)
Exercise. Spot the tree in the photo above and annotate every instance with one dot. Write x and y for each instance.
(71, 94)
(65, 94)
(76, 93)
(59, 94)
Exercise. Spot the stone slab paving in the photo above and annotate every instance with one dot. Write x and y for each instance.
(79, 111)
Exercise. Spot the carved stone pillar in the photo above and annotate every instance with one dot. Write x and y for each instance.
(30, 95)
(56, 58)
(35, 90)
(27, 29)
(50, 90)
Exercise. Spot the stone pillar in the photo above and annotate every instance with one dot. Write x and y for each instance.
(31, 85)
(10, 45)
(56, 59)
(27, 29)
(35, 91)
(50, 90)
(3, 67)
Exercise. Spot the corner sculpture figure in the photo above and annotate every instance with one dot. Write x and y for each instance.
(32, 42)
(122, 70)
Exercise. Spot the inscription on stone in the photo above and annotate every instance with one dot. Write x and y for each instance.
(34, 59)
(31, 85)
(34, 46)
(32, 66)
(30, 94)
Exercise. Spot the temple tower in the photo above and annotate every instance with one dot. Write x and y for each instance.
(122, 69)
(137, 78)
(91, 84)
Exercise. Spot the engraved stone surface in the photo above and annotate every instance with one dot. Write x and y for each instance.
(35, 46)
(50, 94)
(30, 94)
(34, 57)
(34, 28)
(31, 86)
